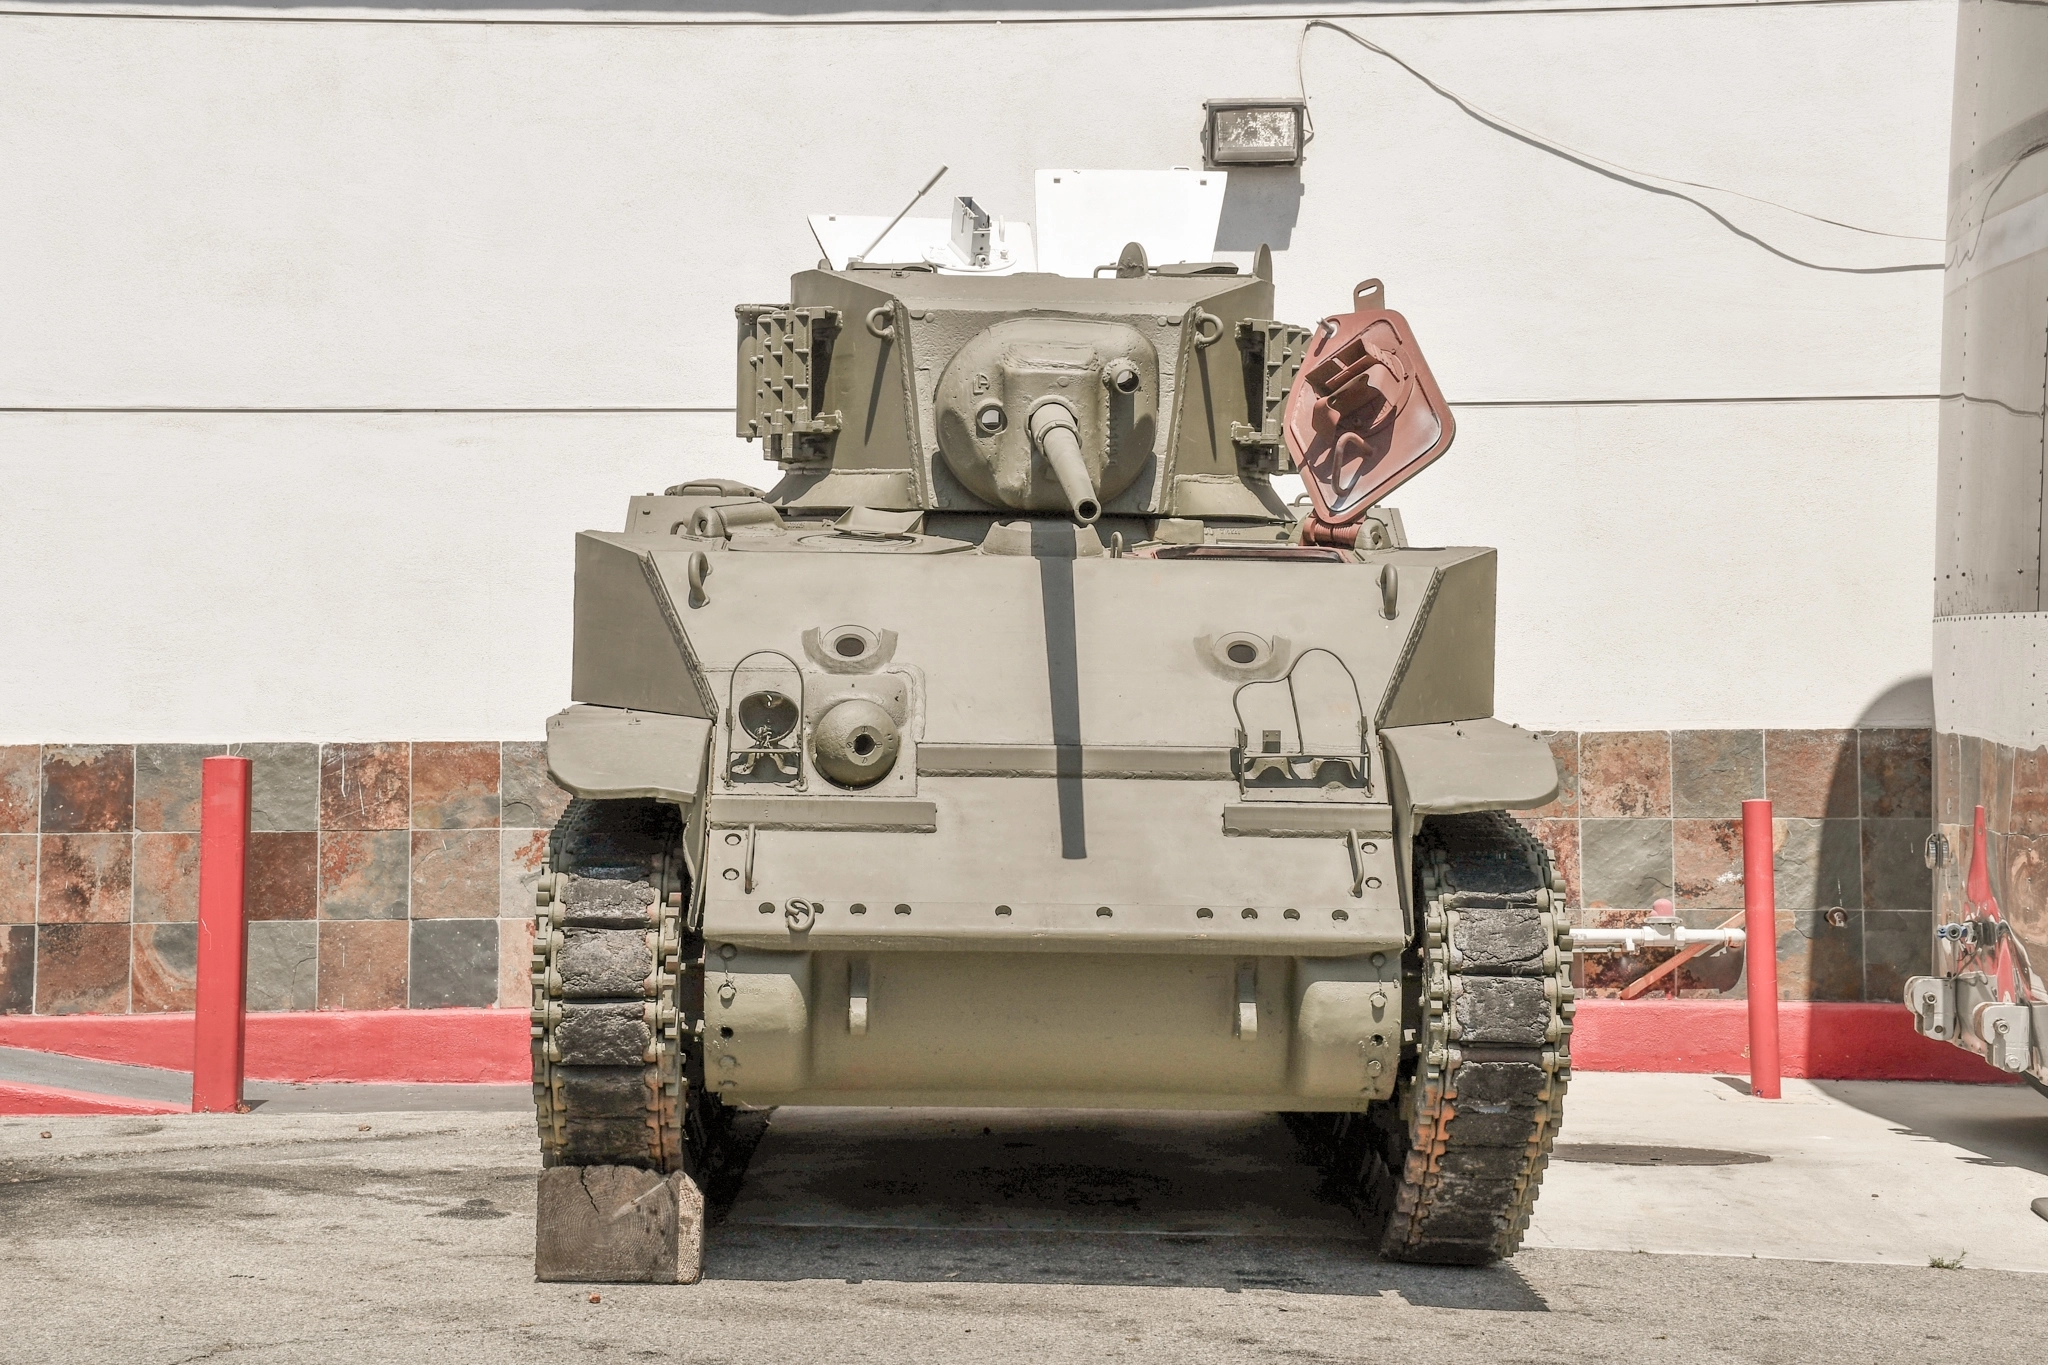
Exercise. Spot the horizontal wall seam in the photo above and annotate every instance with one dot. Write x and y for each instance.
(879, 20)
(543, 411)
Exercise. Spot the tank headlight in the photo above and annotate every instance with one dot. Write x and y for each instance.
(855, 742)
(769, 716)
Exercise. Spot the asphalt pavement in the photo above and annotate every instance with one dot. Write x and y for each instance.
(1682, 1220)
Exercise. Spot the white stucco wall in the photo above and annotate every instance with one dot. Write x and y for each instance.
(356, 255)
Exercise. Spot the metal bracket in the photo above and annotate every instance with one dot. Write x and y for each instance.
(1933, 1002)
(1247, 1026)
(2008, 1034)
(783, 356)
(857, 997)
(788, 762)
(1272, 353)
(1935, 853)
(1302, 768)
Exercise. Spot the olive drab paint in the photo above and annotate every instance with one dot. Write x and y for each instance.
(1021, 751)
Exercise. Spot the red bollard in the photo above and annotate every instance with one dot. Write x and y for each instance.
(1760, 948)
(223, 936)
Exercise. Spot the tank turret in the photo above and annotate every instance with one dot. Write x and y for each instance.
(902, 388)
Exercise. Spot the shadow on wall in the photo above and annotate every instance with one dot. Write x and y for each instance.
(1651, 813)
(1906, 705)
(1260, 207)
(1859, 893)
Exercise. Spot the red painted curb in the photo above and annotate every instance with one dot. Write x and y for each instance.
(44, 1101)
(1871, 1042)
(453, 1046)
(1819, 1041)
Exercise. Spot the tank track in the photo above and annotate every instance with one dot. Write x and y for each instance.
(611, 1037)
(1447, 1171)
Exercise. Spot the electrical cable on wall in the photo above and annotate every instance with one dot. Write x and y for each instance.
(1984, 200)
(1612, 170)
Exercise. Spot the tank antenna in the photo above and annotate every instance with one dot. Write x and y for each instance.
(863, 255)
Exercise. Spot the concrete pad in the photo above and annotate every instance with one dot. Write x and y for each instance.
(617, 1225)
(325, 1238)
(1882, 1172)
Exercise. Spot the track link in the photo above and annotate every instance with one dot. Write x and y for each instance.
(1447, 1171)
(610, 1035)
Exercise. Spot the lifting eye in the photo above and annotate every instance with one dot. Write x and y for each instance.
(991, 418)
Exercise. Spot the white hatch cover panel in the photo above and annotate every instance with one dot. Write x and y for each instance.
(1084, 218)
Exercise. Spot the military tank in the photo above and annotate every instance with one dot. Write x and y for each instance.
(1022, 747)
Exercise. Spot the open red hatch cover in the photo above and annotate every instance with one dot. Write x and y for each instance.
(1363, 416)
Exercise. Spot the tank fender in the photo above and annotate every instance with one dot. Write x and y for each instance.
(609, 752)
(1469, 765)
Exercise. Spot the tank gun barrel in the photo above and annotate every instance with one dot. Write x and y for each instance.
(1057, 435)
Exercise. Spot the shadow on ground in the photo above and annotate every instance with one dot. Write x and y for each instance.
(1160, 1260)
(1215, 1201)
(2003, 1125)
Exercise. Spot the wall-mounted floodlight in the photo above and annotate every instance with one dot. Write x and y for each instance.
(1254, 132)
